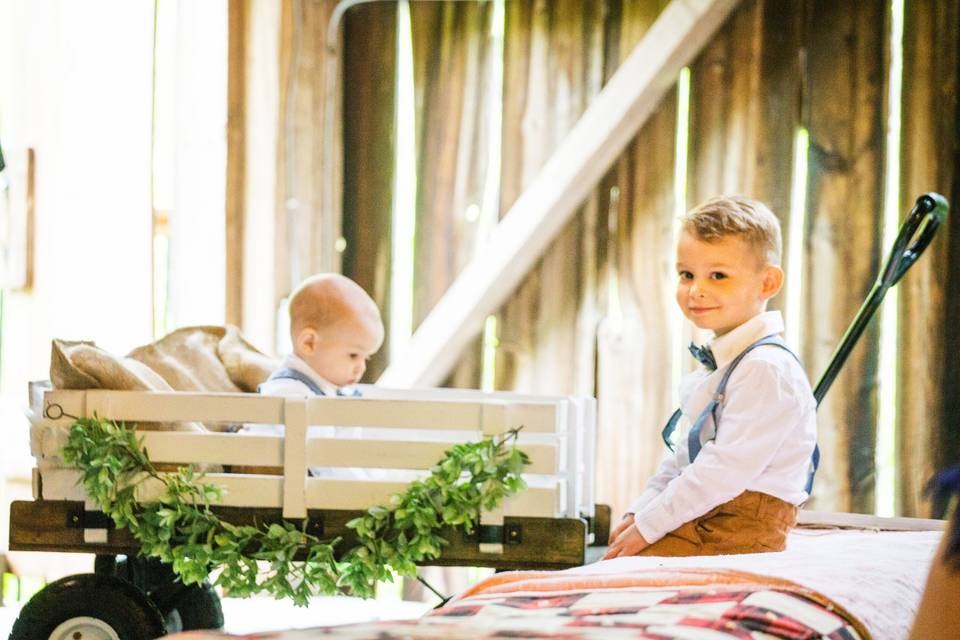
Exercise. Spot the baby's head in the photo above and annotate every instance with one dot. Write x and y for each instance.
(728, 262)
(335, 326)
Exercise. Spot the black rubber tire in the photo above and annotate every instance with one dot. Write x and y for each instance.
(103, 598)
(199, 608)
(184, 608)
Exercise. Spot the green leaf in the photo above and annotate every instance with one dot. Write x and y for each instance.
(181, 530)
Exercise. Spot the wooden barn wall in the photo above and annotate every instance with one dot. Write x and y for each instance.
(744, 112)
(452, 56)
(846, 72)
(553, 66)
(300, 143)
(369, 91)
(635, 331)
(596, 315)
(928, 397)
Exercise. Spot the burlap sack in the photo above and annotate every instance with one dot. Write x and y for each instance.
(246, 366)
(189, 359)
(83, 365)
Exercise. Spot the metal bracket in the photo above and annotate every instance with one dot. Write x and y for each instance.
(314, 525)
(80, 518)
(510, 533)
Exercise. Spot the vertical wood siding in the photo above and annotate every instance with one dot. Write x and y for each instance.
(929, 334)
(369, 88)
(846, 51)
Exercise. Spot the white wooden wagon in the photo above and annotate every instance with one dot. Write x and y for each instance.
(359, 451)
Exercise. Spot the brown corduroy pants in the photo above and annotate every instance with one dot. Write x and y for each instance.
(752, 522)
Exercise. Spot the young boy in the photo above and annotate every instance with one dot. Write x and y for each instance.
(743, 461)
(335, 326)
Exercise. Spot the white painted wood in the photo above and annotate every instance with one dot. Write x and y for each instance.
(35, 391)
(240, 490)
(214, 448)
(540, 213)
(264, 450)
(864, 521)
(180, 406)
(573, 463)
(59, 484)
(93, 536)
(377, 392)
(544, 420)
(539, 417)
(58, 405)
(493, 418)
(295, 458)
(586, 455)
(403, 454)
(362, 494)
(495, 518)
(249, 490)
(453, 415)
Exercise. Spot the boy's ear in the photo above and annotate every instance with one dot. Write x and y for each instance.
(772, 281)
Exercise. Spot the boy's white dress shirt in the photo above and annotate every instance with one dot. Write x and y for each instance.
(766, 437)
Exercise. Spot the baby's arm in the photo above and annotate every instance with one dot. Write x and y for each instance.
(761, 410)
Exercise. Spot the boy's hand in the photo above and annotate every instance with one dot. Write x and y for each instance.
(620, 528)
(627, 540)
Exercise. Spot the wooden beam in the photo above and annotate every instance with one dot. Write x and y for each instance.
(539, 214)
(237, 11)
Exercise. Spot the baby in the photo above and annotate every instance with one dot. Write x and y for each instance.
(335, 327)
(746, 457)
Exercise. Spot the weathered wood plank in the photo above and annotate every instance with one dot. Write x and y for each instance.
(546, 543)
(455, 103)
(257, 305)
(846, 53)
(237, 36)
(450, 49)
(929, 335)
(302, 248)
(745, 110)
(635, 335)
(554, 67)
(368, 152)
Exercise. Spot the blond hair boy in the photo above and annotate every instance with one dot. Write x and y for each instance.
(747, 415)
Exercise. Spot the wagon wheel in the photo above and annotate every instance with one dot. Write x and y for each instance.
(197, 607)
(89, 607)
(184, 608)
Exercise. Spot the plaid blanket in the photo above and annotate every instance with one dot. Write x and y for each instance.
(698, 605)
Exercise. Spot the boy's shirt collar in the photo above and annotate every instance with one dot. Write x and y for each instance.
(728, 346)
(294, 361)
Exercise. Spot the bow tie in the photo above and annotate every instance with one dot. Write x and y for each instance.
(704, 355)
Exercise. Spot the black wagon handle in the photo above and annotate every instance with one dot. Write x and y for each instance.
(922, 223)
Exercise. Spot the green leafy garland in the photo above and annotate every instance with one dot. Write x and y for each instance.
(180, 528)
